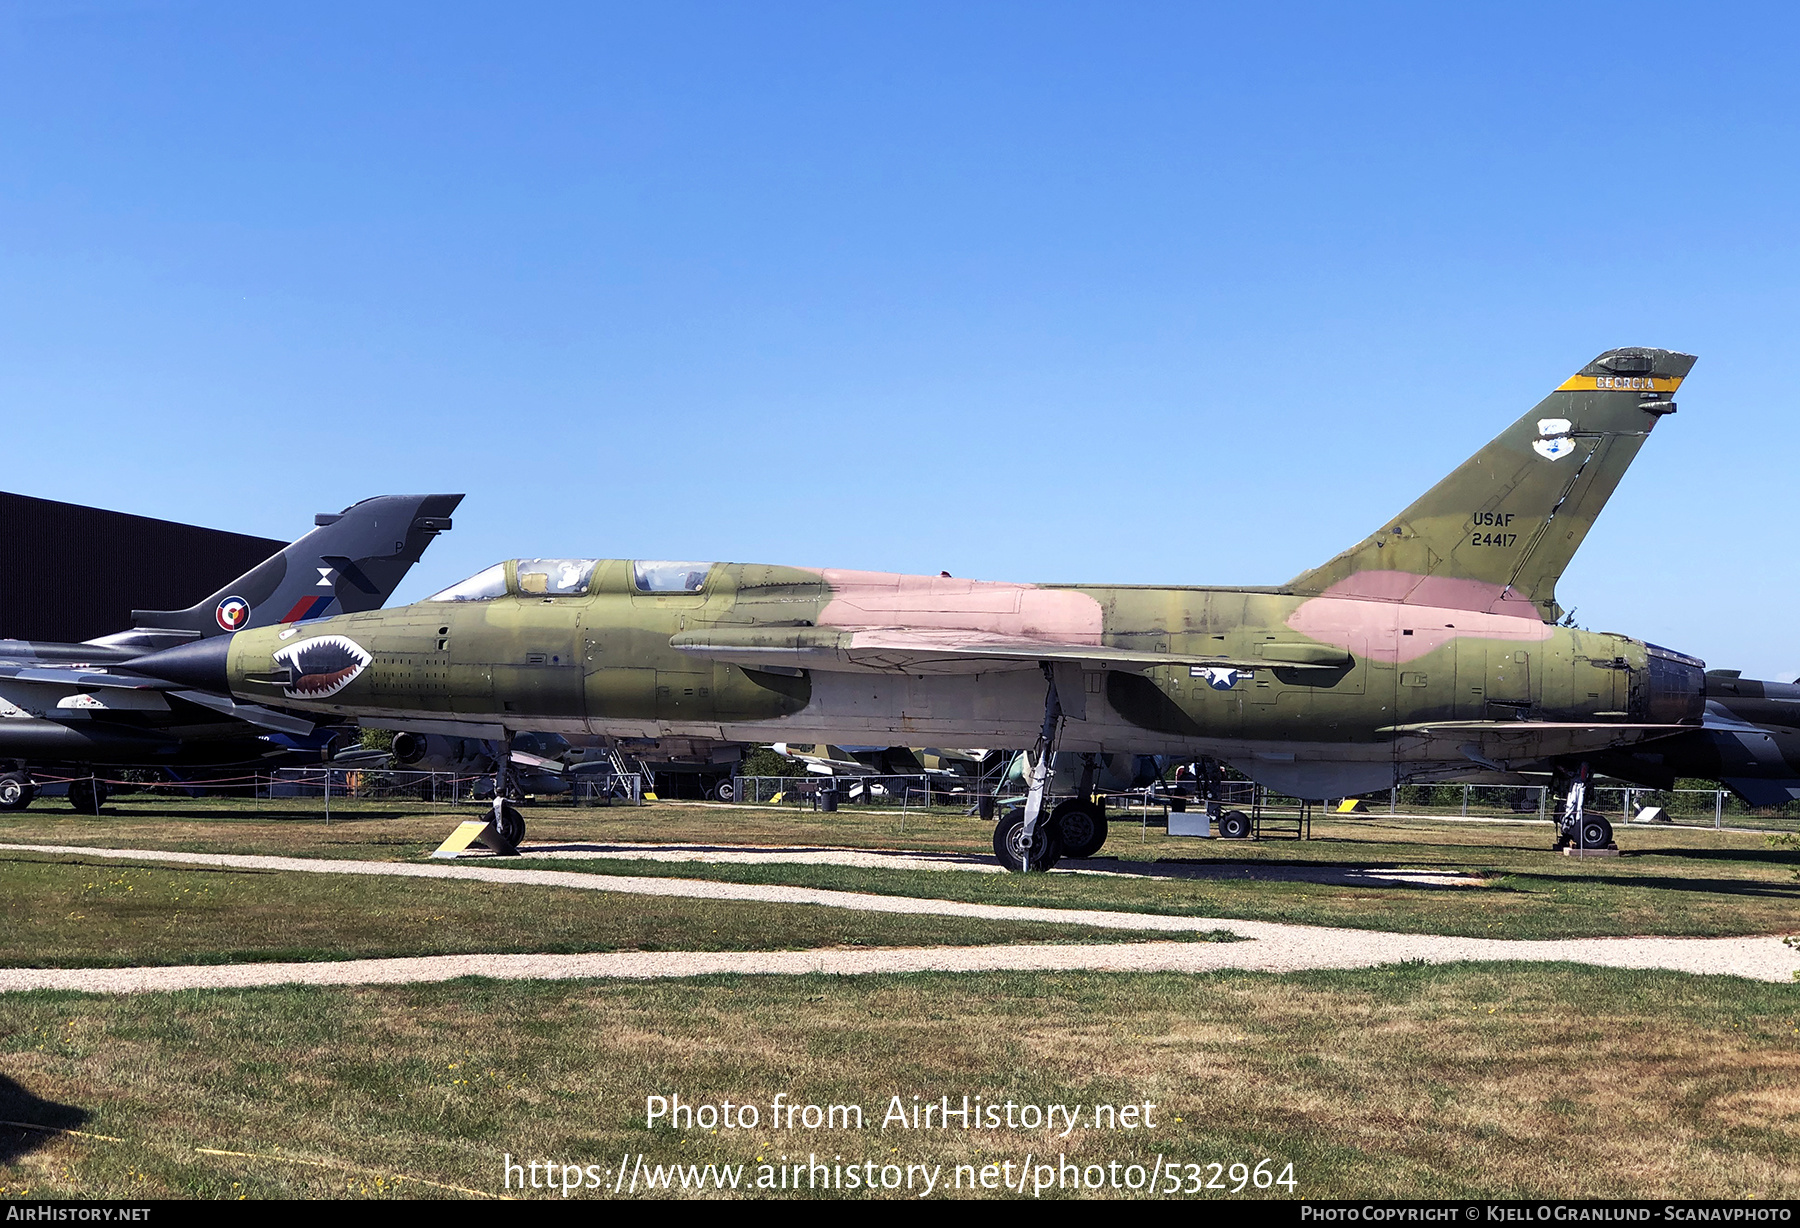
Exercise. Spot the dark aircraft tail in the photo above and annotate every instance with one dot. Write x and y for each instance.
(352, 561)
(1496, 534)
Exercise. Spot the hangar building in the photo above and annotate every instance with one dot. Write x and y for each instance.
(70, 573)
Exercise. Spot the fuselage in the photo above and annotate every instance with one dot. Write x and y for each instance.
(597, 657)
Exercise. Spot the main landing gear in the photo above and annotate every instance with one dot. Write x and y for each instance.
(1025, 839)
(1021, 841)
(1080, 826)
(1575, 828)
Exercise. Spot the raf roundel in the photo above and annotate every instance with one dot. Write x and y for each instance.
(233, 613)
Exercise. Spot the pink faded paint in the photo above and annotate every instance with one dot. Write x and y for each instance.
(1445, 592)
(866, 599)
(1377, 627)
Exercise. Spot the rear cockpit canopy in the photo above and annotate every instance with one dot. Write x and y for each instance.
(662, 576)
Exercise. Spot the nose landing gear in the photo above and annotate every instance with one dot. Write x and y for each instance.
(509, 824)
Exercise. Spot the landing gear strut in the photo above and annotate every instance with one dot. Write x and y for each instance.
(509, 824)
(1574, 827)
(1021, 841)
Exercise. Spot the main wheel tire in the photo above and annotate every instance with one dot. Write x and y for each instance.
(1595, 833)
(1234, 825)
(510, 824)
(15, 791)
(725, 791)
(1009, 848)
(1080, 828)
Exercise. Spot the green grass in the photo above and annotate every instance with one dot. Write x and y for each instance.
(1672, 881)
(68, 912)
(1494, 1081)
(1411, 1081)
(1522, 895)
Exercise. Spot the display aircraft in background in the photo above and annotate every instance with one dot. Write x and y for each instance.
(64, 713)
(823, 759)
(1430, 650)
(1748, 740)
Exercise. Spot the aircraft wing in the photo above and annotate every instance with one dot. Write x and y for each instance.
(1501, 744)
(78, 678)
(252, 714)
(908, 650)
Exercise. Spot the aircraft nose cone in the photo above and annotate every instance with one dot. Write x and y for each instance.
(200, 664)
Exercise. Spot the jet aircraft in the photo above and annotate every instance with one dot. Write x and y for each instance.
(63, 710)
(1429, 650)
(1748, 740)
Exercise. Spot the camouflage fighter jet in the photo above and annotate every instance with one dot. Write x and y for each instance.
(1428, 650)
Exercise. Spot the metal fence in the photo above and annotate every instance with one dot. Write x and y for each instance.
(1717, 808)
(316, 789)
(327, 785)
(585, 789)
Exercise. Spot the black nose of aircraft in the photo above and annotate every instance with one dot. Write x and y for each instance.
(199, 664)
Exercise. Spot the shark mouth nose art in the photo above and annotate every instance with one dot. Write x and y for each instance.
(322, 666)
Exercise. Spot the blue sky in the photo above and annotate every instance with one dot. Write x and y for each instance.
(1108, 292)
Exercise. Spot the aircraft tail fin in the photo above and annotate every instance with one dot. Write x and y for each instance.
(1497, 533)
(352, 561)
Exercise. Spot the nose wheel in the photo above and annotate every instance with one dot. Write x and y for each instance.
(509, 824)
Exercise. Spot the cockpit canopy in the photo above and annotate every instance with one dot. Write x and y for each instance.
(661, 576)
(482, 586)
(571, 578)
(555, 577)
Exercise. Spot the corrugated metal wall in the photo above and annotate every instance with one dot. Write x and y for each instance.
(72, 573)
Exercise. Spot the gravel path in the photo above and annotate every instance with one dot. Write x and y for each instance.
(1273, 947)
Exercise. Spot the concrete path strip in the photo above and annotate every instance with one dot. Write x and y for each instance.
(1274, 947)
